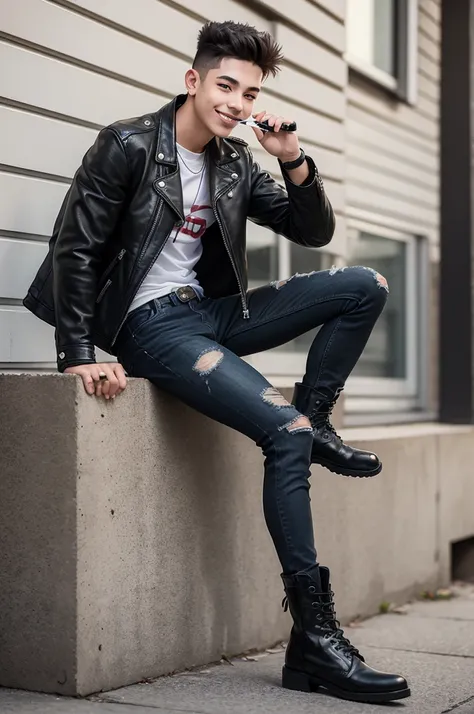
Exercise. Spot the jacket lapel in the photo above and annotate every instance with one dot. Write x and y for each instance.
(222, 154)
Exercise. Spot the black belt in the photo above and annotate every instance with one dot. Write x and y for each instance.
(184, 294)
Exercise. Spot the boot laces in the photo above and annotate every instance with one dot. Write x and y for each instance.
(320, 418)
(329, 622)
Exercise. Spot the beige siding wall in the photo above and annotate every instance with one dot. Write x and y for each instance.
(393, 148)
(68, 67)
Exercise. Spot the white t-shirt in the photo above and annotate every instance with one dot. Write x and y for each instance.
(174, 266)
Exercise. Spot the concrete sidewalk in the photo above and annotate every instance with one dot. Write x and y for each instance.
(432, 644)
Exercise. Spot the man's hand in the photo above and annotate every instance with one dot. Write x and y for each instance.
(113, 383)
(282, 144)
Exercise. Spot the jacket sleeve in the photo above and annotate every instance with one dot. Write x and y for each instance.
(90, 215)
(302, 213)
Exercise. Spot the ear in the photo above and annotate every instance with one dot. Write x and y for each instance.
(192, 81)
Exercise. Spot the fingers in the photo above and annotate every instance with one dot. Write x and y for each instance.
(90, 374)
(104, 379)
(258, 133)
(120, 374)
(109, 385)
(272, 120)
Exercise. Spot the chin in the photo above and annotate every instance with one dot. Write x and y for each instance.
(223, 133)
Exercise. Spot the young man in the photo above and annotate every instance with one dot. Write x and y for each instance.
(147, 261)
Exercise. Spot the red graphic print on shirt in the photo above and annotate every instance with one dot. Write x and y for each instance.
(195, 226)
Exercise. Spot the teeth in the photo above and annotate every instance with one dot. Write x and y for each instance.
(226, 118)
(195, 228)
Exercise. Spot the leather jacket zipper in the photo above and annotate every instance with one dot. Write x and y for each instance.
(108, 282)
(245, 310)
(145, 246)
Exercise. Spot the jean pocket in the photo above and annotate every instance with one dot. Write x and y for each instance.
(142, 316)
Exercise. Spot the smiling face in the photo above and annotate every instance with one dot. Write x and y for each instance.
(224, 95)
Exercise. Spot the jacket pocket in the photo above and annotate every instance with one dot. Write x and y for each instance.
(105, 277)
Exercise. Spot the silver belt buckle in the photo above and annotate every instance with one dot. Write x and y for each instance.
(185, 294)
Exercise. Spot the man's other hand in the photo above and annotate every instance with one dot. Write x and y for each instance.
(106, 379)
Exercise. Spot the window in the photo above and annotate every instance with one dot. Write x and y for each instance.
(387, 377)
(392, 373)
(382, 42)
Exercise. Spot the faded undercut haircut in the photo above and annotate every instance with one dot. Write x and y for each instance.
(236, 40)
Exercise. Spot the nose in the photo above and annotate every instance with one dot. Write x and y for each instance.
(235, 103)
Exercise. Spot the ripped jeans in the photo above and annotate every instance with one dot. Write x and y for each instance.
(193, 350)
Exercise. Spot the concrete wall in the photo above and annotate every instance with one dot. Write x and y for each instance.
(132, 539)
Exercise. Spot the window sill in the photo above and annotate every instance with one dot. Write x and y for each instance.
(374, 75)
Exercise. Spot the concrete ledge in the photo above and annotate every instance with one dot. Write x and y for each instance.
(133, 544)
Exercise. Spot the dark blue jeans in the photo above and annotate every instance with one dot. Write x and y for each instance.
(194, 350)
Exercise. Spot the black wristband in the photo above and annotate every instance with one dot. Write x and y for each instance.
(290, 165)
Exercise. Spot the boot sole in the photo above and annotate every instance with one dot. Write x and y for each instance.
(302, 682)
(346, 472)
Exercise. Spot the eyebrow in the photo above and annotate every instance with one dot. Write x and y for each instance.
(233, 81)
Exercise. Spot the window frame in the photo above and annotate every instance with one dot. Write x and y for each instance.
(404, 83)
(406, 388)
(369, 400)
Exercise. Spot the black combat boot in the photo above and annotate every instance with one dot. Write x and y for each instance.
(329, 449)
(318, 654)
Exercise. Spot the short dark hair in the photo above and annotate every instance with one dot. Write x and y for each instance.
(217, 40)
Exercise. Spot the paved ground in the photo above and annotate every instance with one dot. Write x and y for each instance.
(432, 644)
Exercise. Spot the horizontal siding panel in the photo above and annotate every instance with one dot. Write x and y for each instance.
(429, 87)
(429, 68)
(401, 188)
(359, 153)
(59, 150)
(429, 27)
(395, 113)
(311, 19)
(158, 22)
(335, 7)
(319, 96)
(363, 197)
(393, 147)
(431, 8)
(224, 10)
(84, 95)
(312, 57)
(23, 259)
(32, 205)
(409, 145)
(430, 47)
(429, 108)
(63, 31)
(25, 338)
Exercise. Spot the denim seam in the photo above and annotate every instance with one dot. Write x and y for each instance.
(281, 513)
(293, 312)
(205, 322)
(328, 346)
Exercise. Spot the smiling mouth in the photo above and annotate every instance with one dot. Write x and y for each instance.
(228, 118)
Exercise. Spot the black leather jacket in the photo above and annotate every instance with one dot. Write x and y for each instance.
(120, 209)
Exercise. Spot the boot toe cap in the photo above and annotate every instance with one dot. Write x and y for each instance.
(371, 680)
